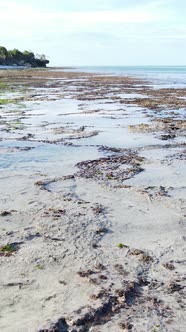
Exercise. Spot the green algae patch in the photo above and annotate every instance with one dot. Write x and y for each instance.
(17, 125)
(7, 250)
(3, 86)
(6, 101)
(39, 267)
(121, 245)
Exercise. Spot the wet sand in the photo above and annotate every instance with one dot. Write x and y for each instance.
(92, 203)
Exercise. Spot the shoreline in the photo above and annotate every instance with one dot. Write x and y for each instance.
(92, 207)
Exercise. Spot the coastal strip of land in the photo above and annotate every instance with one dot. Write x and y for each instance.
(92, 203)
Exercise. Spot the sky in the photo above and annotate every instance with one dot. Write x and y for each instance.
(98, 32)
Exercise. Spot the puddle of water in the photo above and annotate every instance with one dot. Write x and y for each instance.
(156, 173)
(64, 186)
(129, 95)
(120, 138)
(10, 95)
(55, 160)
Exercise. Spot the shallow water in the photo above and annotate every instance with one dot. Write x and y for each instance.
(54, 160)
(53, 123)
(162, 76)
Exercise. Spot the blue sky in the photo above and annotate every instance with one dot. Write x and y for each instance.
(99, 32)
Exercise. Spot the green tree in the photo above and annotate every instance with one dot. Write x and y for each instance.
(3, 53)
(16, 54)
(28, 56)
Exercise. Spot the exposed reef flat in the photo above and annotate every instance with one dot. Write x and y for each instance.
(92, 203)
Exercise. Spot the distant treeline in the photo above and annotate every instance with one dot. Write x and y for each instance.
(26, 58)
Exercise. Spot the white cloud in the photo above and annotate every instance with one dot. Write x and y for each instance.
(15, 12)
(43, 27)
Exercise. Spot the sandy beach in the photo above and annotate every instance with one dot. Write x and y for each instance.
(92, 203)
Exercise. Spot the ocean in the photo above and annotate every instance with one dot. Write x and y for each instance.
(167, 76)
(170, 75)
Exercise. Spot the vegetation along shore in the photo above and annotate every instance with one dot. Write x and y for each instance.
(17, 58)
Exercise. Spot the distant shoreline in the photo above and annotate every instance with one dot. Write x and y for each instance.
(29, 67)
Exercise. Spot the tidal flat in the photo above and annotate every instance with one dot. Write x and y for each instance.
(92, 203)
